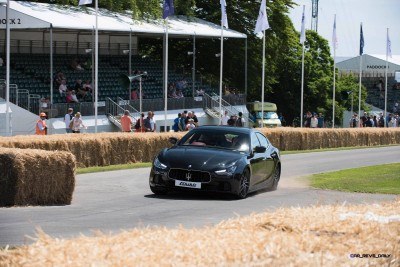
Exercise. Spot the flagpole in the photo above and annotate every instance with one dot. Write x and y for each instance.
(263, 82)
(360, 72)
(334, 74)
(386, 71)
(220, 70)
(302, 41)
(8, 128)
(166, 76)
(359, 88)
(96, 69)
(302, 88)
(334, 87)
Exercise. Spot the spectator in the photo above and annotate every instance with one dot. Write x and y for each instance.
(225, 118)
(195, 119)
(282, 119)
(200, 92)
(67, 120)
(44, 104)
(321, 121)
(41, 127)
(354, 122)
(369, 122)
(150, 123)
(139, 126)
(307, 121)
(134, 94)
(175, 127)
(240, 121)
(190, 125)
(182, 124)
(232, 120)
(71, 97)
(364, 119)
(395, 107)
(381, 122)
(126, 122)
(375, 120)
(58, 79)
(75, 65)
(63, 88)
(1, 62)
(77, 123)
(314, 121)
(179, 94)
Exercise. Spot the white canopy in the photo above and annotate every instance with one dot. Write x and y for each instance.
(30, 15)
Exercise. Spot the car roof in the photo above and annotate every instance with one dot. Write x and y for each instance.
(226, 128)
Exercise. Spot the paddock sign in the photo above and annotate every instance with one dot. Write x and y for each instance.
(18, 20)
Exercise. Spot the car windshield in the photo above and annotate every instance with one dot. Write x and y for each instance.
(217, 139)
(267, 115)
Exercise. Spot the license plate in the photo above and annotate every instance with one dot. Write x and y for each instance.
(187, 184)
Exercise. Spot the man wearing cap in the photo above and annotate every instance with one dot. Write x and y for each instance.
(126, 122)
(41, 128)
(67, 119)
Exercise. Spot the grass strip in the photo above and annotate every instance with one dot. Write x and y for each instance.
(383, 179)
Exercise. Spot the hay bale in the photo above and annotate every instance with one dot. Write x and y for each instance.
(120, 148)
(36, 177)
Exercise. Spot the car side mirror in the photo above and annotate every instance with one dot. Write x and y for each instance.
(260, 149)
(173, 140)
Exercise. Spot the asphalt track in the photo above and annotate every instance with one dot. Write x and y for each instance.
(116, 200)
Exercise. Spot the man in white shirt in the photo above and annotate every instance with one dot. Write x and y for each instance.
(225, 118)
(67, 119)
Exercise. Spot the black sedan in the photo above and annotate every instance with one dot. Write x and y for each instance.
(217, 159)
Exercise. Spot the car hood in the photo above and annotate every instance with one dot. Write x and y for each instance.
(199, 158)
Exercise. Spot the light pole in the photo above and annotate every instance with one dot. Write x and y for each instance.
(128, 52)
(194, 64)
(7, 3)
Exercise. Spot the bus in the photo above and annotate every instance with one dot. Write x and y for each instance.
(269, 119)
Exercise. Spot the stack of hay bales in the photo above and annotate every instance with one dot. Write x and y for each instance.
(36, 177)
(120, 148)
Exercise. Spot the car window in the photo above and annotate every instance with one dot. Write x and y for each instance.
(226, 140)
(254, 141)
(263, 140)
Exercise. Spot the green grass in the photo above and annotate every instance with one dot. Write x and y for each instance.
(331, 149)
(383, 179)
(113, 167)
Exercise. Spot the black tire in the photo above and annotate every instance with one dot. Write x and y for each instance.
(244, 185)
(276, 176)
(158, 190)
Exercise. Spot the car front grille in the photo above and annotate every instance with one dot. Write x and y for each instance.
(192, 176)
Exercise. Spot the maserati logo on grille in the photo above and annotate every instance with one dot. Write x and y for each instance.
(188, 176)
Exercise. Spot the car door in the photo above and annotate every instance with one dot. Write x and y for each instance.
(268, 161)
(256, 161)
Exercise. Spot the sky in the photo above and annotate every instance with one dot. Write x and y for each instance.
(375, 15)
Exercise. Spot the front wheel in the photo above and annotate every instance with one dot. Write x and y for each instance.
(276, 177)
(244, 185)
(158, 190)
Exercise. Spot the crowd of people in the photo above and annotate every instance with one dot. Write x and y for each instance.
(186, 121)
(80, 92)
(373, 120)
(175, 90)
(314, 120)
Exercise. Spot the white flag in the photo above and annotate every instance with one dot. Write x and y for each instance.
(303, 27)
(388, 46)
(262, 20)
(85, 2)
(224, 19)
(334, 37)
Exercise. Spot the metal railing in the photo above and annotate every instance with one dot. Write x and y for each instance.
(135, 114)
(34, 103)
(22, 99)
(212, 102)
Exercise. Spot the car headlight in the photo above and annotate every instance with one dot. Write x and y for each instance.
(227, 171)
(159, 165)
